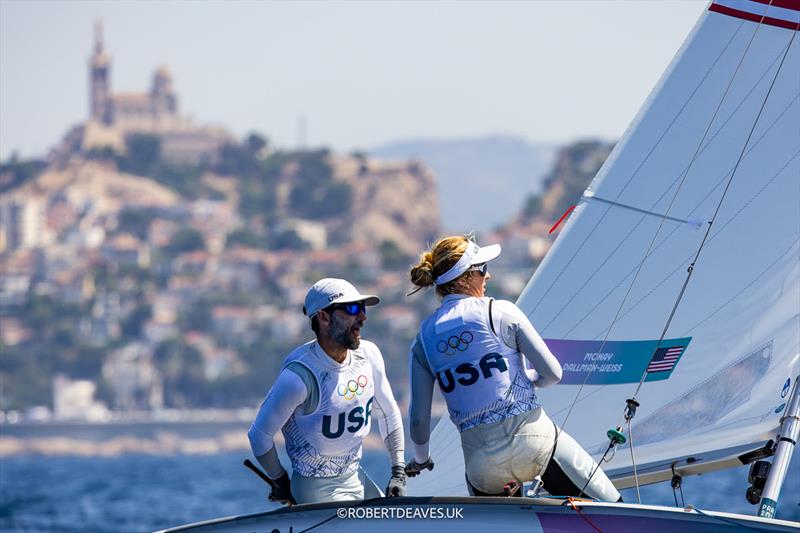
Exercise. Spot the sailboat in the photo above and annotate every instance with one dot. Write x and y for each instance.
(671, 298)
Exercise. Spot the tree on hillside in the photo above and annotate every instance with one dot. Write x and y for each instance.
(185, 179)
(197, 317)
(135, 321)
(243, 237)
(182, 368)
(15, 172)
(392, 257)
(575, 167)
(290, 240)
(315, 194)
(143, 154)
(256, 144)
(186, 240)
(135, 221)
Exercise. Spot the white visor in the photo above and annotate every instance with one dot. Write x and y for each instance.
(473, 255)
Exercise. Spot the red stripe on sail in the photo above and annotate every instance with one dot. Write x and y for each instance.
(786, 4)
(560, 220)
(789, 25)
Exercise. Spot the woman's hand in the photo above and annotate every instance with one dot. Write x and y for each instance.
(414, 468)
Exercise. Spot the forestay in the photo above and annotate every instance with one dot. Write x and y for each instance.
(718, 139)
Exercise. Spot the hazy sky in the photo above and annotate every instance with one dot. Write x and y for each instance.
(360, 73)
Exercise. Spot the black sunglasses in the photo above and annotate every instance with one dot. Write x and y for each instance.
(482, 268)
(352, 308)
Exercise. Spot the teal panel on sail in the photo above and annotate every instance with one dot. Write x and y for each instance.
(611, 362)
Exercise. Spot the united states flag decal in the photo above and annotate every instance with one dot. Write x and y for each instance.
(664, 359)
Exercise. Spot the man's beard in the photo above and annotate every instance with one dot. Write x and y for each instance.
(341, 335)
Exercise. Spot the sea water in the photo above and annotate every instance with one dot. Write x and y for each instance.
(148, 492)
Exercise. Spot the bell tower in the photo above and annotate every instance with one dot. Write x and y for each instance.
(99, 79)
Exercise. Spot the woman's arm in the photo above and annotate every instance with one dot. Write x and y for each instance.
(419, 409)
(517, 332)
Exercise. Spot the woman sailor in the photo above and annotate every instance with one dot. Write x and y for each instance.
(488, 360)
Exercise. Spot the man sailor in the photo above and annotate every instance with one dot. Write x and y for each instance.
(324, 399)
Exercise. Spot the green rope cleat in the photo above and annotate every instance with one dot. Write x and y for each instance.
(616, 436)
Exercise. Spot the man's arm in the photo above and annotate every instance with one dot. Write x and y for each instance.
(284, 397)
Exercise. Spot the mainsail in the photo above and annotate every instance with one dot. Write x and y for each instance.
(707, 180)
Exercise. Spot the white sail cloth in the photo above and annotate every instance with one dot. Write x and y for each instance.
(718, 139)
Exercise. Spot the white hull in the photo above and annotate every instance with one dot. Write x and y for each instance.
(486, 514)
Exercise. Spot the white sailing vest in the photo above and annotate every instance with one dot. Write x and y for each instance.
(482, 379)
(327, 442)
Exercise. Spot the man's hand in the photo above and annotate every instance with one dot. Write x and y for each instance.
(397, 483)
(414, 468)
(282, 491)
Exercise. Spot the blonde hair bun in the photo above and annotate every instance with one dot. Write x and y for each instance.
(438, 260)
(422, 273)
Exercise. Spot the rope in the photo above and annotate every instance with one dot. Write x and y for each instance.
(757, 278)
(677, 268)
(716, 211)
(658, 200)
(727, 187)
(672, 232)
(584, 517)
(641, 164)
(719, 204)
(633, 462)
(596, 467)
(677, 484)
(699, 149)
(624, 239)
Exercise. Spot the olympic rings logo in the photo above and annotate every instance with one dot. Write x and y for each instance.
(455, 343)
(353, 388)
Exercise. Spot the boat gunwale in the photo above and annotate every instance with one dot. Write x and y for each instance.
(545, 503)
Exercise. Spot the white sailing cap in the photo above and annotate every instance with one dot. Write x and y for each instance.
(329, 291)
(473, 255)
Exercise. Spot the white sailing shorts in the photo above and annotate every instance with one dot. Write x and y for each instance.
(327, 489)
(515, 448)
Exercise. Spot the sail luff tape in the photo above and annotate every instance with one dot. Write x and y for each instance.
(695, 224)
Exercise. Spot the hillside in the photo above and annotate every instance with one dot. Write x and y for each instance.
(480, 180)
(280, 199)
(574, 167)
(149, 284)
(525, 236)
(153, 285)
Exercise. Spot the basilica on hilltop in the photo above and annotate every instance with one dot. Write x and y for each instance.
(114, 116)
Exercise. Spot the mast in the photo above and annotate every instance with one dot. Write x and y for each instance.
(790, 428)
